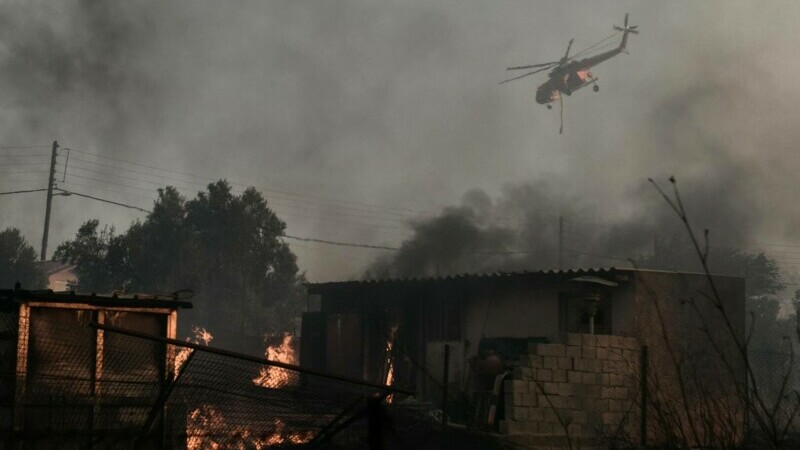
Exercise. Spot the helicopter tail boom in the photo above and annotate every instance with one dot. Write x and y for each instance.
(626, 30)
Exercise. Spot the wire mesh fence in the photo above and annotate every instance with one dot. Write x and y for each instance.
(87, 385)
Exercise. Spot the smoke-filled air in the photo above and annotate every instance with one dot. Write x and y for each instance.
(281, 220)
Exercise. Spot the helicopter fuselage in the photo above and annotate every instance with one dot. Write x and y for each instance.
(564, 80)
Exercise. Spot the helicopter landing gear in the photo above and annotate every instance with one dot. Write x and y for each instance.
(549, 106)
(595, 88)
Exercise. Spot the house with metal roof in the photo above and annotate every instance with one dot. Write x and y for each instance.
(396, 330)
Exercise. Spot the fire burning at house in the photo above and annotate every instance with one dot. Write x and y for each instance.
(276, 377)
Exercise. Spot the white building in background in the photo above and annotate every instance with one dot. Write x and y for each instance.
(60, 276)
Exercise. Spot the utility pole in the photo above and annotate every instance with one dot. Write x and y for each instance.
(50, 185)
(560, 242)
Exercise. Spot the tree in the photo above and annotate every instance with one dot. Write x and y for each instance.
(225, 247)
(18, 262)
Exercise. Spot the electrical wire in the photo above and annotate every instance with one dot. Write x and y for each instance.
(7, 147)
(265, 189)
(102, 200)
(22, 192)
(342, 244)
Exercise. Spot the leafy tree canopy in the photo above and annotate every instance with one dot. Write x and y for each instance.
(18, 262)
(225, 247)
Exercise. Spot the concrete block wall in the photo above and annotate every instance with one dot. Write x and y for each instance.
(584, 385)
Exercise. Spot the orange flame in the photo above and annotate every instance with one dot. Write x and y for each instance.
(201, 337)
(390, 362)
(276, 377)
(207, 430)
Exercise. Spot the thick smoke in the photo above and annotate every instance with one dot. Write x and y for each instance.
(546, 224)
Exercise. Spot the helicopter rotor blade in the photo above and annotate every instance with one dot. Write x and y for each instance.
(561, 114)
(524, 75)
(533, 66)
(569, 46)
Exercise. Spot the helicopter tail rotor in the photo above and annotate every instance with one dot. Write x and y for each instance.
(626, 28)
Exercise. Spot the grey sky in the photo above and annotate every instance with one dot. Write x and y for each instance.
(397, 104)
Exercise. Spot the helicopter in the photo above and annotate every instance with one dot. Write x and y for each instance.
(570, 74)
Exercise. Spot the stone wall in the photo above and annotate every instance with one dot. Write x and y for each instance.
(585, 387)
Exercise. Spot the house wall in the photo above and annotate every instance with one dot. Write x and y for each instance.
(678, 320)
(520, 311)
(584, 389)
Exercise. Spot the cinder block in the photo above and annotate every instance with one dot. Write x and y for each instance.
(574, 351)
(550, 362)
(582, 364)
(629, 343)
(565, 363)
(544, 375)
(589, 339)
(529, 399)
(520, 413)
(616, 379)
(604, 379)
(574, 377)
(544, 428)
(558, 430)
(535, 361)
(590, 404)
(614, 405)
(602, 340)
(611, 418)
(601, 406)
(630, 355)
(602, 352)
(565, 389)
(606, 392)
(614, 342)
(550, 414)
(573, 339)
(609, 366)
(559, 375)
(574, 430)
(614, 354)
(518, 386)
(536, 414)
(550, 388)
(620, 393)
(579, 416)
(592, 391)
(551, 349)
(589, 352)
(588, 378)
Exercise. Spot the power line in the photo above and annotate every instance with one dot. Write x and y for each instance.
(102, 200)
(22, 192)
(6, 147)
(342, 244)
(265, 189)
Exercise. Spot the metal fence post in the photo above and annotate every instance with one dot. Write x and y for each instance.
(643, 379)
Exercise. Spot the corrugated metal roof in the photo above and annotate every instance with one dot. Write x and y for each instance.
(472, 276)
(110, 299)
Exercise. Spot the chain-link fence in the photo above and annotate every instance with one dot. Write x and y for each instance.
(89, 385)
